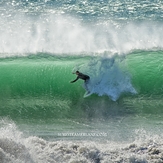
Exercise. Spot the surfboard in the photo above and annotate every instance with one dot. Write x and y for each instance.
(86, 94)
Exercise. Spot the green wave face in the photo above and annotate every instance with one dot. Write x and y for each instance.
(39, 86)
(146, 69)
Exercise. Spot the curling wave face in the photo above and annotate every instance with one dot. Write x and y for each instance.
(29, 81)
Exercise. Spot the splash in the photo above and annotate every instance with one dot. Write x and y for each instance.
(107, 78)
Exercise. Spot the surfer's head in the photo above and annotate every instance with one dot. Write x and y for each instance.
(77, 72)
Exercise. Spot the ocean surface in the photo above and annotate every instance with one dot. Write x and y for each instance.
(44, 118)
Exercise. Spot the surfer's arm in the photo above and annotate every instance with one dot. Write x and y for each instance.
(74, 80)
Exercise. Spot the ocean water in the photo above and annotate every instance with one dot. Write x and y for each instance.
(44, 118)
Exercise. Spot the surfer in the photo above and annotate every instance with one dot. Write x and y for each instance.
(84, 77)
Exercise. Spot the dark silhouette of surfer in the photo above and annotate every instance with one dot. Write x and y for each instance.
(82, 76)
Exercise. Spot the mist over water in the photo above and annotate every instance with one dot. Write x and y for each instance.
(38, 32)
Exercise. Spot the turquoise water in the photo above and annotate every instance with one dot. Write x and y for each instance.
(43, 81)
(45, 118)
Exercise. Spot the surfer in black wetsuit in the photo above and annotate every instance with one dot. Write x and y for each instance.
(83, 77)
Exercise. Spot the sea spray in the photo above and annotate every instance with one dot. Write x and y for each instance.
(106, 77)
(39, 32)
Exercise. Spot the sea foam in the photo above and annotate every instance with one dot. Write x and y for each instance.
(15, 147)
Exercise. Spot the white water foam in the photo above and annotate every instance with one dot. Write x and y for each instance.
(16, 148)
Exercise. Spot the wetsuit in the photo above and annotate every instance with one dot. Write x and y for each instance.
(81, 76)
